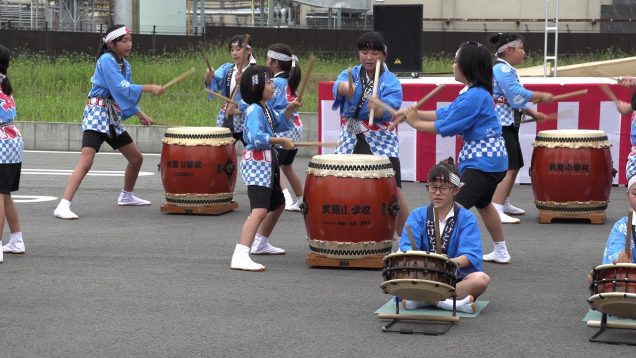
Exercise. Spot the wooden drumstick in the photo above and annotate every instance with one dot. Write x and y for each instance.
(568, 95)
(316, 144)
(217, 94)
(628, 237)
(419, 103)
(303, 83)
(438, 241)
(350, 81)
(548, 117)
(207, 63)
(608, 92)
(408, 231)
(383, 105)
(179, 78)
(376, 78)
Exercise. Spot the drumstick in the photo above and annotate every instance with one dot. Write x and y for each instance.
(382, 104)
(181, 77)
(608, 92)
(438, 243)
(408, 231)
(376, 78)
(217, 94)
(350, 81)
(303, 84)
(548, 117)
(568, 95)
(628, 237)
(207, 62)
(419, 103)
(316, 144)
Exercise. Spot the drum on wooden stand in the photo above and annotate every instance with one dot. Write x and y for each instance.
(571, 174)
(419, 276)
(198, 170)
(613, 290)
(350, 206)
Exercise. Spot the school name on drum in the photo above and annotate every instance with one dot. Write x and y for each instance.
(576, 168)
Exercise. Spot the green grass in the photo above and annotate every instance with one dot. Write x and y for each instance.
(54, 89)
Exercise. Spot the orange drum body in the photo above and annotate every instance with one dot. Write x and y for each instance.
(198, 166)
(350, 205)
(613, 290)
(571, 171)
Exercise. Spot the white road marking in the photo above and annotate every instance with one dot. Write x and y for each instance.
(32, 198)
(104, 173)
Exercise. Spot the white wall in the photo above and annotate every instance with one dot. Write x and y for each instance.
(168, 15)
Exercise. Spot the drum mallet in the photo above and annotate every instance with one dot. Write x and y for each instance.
(179, 78)
(408, 230)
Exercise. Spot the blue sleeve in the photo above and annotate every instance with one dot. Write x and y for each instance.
(218, 82)
(469, 238)
(279, 98)
(417, 222)
(282, 124)
(615, 241)
(255, 134)
(390, 92)
(124, 93)
(339, 100)
(460, 115)
(517, 96)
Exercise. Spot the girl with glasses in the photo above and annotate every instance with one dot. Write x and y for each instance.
(459, 237)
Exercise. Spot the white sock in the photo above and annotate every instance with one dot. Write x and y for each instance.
(507, 202)
(16, 236)
(499, 207)
(299, 199)
(500, 246)
(447, 304)
(258, 240)
(64, 203)
(289, 200)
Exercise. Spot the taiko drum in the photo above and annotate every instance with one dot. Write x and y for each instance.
(350, 205)
(571, 171)
(198, 166)
(613, 289)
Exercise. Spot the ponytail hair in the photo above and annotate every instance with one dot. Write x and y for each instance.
(5, 58)
(292, 67)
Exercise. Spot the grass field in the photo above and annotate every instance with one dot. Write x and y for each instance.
(54, 89)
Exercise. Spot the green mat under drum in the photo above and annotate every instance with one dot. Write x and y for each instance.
(389, 308)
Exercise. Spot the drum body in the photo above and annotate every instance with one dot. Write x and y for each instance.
(613, 290)
(198, 166)
(350, 205)
(571, 171)
(419, 276)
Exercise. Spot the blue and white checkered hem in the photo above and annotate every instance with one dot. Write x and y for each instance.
(490, 147)
(256, 172)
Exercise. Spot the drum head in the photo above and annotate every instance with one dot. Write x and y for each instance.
(351, 165)
(192, 136)
(615, 304)
(571, 133)
(418, 290)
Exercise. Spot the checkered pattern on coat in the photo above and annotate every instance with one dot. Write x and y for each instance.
(380, 139)
(296, 133)
(256, 172)
(630, 167)
(96, 118)
(11, 145)
(489, 147)
(504, 111)
(238, 120)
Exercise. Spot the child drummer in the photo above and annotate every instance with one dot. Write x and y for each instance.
(459, 236)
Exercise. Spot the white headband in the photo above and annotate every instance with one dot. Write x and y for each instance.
(454, 179)
(116, 33)
(514, 43)
(282, 57)
(631, 181)
(240, 43)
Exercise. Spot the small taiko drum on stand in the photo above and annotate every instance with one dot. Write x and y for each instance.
(350, 209)
(571, 174)
(198, 170)
(419, 276)
(613, 290)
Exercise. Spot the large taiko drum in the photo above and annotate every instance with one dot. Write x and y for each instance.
(350, 205)
(613, 290)
(198, 166)
(419, 276)
(571, 171)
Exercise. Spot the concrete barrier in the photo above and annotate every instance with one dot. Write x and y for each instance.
(68, 136)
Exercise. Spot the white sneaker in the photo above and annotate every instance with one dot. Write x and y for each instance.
(62, 212)
(241, 260)
(14, 247)
(293, 207)
(506, 219)
(128, 199)
(260, 246)
(499, 258)
(511, 209)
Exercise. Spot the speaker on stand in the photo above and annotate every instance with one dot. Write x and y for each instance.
(402, 28)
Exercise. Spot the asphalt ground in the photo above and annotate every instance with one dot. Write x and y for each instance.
(133, 282)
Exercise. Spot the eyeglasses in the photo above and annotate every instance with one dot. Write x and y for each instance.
(442, 189)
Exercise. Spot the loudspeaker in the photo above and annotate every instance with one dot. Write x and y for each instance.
(402, 28)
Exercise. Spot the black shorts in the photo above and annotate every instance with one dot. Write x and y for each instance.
(267, 198)
(510, 135)
(238, 136)
(286, 157)
(94, 139)
(10, 177)
(362, 147)
(478, 188)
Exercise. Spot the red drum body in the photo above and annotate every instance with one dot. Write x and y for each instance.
(571, 171)
(419, 276)
(613, 290)
(198, 166)
(350, 205)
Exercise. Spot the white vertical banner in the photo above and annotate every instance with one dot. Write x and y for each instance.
(610, 123)
(329, 125)
(407, 137)
(445, 146)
